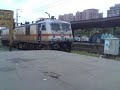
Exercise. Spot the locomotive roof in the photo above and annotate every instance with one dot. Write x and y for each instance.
(46, 21)
(53, 21)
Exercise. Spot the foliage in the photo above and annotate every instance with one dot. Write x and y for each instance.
(90, 31)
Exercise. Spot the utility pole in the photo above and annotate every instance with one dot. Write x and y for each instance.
(17, 16)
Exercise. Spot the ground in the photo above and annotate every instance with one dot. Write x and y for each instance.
(56, 70)
(5, 48)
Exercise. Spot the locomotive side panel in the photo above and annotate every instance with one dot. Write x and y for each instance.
(26, 33)
(33, 33)
(45, 32)
(19, 33)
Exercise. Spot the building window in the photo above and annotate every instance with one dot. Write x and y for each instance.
(27, 28)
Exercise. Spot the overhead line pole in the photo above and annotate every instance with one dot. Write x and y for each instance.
(17, 16)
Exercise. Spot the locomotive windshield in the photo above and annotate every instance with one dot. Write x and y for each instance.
(55, 26)
(63, 26)
(66, 27)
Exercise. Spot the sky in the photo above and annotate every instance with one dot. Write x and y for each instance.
(31, 10)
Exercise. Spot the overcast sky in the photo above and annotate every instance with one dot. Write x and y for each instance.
(33, 9)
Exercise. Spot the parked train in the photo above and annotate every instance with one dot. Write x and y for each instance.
(44, 34)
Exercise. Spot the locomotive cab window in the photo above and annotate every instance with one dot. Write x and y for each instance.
(66, 27)
(27, 28)
(43, 27)
(55, 26)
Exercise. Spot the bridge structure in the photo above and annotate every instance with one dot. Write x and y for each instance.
(102, 23)
(96, 23)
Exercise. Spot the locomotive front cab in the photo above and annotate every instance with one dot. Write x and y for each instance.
(61, 37)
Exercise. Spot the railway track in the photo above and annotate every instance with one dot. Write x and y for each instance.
(89, 47)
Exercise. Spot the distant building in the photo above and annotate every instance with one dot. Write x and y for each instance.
(78, 16)
(91, 14)
(100, 15)
(114, 11)
(85, 15)
(67, 17)
(88, 14)
(61, 17)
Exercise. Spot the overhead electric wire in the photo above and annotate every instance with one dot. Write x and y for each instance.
(45, 9)
(55, 4)
(48, 5)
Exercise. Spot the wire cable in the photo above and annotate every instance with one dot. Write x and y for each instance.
(47, 5)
